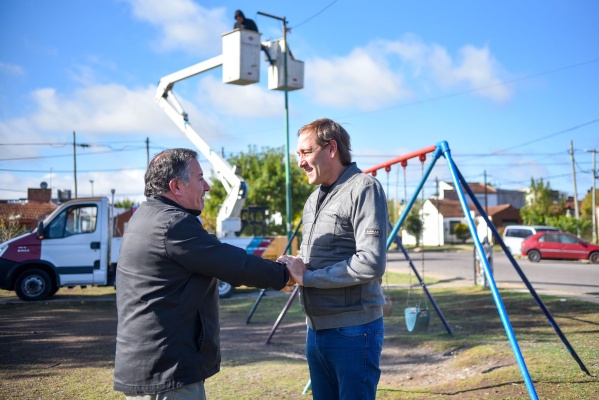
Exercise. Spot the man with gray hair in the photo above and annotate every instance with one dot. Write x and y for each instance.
(168, 339)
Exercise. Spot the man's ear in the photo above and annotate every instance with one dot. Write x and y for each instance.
(332, 148)
(173, 186)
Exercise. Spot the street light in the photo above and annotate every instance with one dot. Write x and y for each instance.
(287, 158)
(92, 182)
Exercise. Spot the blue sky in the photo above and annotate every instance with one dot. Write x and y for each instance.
(507, 84)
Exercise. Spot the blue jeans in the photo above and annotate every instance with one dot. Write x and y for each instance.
(344, 362)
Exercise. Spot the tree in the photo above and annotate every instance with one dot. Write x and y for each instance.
(566, 223)
(264, 172)
(461, 232)
(414, 224)
(125, 203)
(542, 204)
(586, 209)
(10, 228)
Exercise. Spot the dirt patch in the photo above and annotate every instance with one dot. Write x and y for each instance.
(81, 333)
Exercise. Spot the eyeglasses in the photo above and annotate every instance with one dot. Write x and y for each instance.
(307, 153)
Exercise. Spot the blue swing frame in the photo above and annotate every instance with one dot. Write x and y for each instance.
(442, 149)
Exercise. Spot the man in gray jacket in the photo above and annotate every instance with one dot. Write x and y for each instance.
(168, 339)
(341, 262)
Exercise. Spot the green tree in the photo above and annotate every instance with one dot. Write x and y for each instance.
(264, 172)
(586, 209)
(576, 226)
(541, 204)
(414, 224)
(9, 228)
(125, 203)
(461, 232)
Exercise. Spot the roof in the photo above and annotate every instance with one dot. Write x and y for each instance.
(477, 187)
(31, 210)
(492, 210)
(450, 208)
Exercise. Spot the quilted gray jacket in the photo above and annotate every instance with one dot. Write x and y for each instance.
(344, 247)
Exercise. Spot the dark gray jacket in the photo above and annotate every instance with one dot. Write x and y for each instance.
(344, 246)
(167, 297)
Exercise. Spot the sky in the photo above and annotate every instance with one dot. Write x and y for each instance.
(508, 84)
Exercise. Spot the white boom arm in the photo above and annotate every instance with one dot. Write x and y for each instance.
(228, 220)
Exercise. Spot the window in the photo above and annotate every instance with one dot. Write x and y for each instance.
(74, 220)
(550, 237)
(519, 233)
(568, 239)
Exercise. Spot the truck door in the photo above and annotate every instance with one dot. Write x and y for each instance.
(73, 243)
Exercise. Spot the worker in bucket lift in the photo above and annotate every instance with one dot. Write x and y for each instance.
(250, 25)
(243, 22)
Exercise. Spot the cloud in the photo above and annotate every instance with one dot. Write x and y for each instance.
(244, 101)
(359, 80)
(11, 69)
(98, 110)
(184, 25)
(385, 71)
(474, 68)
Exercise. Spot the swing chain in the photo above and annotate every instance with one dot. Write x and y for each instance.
(422, 159)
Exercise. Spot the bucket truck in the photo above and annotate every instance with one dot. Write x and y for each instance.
(77, 245)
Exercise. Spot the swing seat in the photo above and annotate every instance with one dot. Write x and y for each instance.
(417, 320)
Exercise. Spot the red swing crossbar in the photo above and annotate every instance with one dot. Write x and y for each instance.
(421, 154)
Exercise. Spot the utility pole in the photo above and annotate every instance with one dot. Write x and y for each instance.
(594, 194)
(439, 225)
(75, 161)
(576, 213)
(486, 195)
(287, 158)
(147, 151)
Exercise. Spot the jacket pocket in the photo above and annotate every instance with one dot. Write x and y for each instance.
(199, 335)
(323, 302)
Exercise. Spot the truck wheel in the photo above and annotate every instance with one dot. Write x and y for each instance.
(225, 289)
(53, 290)
(534, 256)
(594, 258)
(33, 284)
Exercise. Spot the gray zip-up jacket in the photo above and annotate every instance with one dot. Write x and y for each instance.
(344, 247)
(167, 297)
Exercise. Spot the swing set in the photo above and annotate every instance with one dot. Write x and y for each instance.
(417, 318)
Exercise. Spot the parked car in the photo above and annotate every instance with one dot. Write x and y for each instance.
(514, 235)
(559, 245)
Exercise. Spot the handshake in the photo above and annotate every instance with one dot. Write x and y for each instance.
(296, 268)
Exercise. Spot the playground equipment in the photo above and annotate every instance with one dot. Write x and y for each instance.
(442, 150)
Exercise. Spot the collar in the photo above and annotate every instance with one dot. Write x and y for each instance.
(166, 200)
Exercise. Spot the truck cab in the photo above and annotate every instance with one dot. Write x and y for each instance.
(70, 247)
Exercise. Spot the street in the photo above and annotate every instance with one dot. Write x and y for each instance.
(559, 278)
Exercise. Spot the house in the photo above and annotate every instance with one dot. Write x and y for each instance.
(441, 217)
(488, 196)
(28, 213)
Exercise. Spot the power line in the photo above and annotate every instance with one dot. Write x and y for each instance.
(71, 155)
(315, 15)
(68, 171)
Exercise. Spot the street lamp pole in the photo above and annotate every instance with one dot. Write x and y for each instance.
(287, 158)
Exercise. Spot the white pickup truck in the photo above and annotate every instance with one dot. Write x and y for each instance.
(75, 246)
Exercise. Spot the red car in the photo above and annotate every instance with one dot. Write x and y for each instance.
(559, 245)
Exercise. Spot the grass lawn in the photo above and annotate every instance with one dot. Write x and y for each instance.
(65, 349)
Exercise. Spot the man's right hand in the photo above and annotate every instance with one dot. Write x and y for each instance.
(296, 267)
